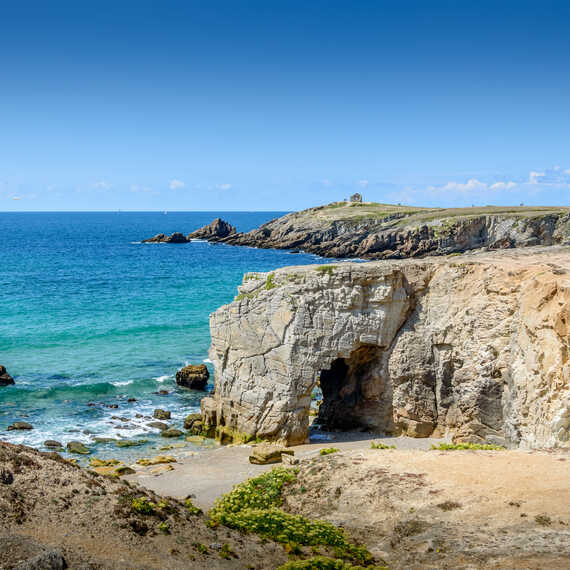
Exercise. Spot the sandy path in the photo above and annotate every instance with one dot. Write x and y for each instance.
(212, 473)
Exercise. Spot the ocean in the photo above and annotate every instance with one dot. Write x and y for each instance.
(90, 317)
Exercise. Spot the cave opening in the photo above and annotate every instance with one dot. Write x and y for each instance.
(353, 391)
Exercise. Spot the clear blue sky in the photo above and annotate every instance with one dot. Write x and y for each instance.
(280, 105)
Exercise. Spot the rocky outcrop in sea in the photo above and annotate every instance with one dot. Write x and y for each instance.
(473, 348)
(217, 230)
(5, 378)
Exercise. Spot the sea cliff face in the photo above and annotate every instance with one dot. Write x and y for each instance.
(472, 347)
(380, 231)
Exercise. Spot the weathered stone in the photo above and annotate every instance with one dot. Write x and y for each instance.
(5, 378)
(190, 419)
(78, 447)
(266, 454)
(161, 414)
(6, 476)
(52, 443)
(158, 460)
(194, 376)
(158, 425)
(171, 432)
(20, 426)
(470, 348)
(216, 230)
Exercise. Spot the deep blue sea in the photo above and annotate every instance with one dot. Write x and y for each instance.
(89, 315)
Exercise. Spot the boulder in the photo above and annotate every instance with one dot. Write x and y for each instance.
(266, 454)
(78, 447)
(194, 376)
(5, 378)
(158, 425)
(218, 229)
(52, 443)
(161, 414)
(20, 425)
(171, 432)
(190, 419)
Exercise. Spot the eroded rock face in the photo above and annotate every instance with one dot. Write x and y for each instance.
(398, 236)
(472, 347)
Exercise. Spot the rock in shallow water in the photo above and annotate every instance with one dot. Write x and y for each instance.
(78, 447)
(194, 376)
(5, 378)
(161, 414)
(20, 426)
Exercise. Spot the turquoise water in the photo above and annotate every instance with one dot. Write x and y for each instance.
(90, 317)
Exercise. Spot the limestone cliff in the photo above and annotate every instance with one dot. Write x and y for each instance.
(472, 347)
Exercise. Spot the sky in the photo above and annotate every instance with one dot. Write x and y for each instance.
(282, 105)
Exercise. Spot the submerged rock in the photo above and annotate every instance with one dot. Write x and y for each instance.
(5, 378)
(158, 425)
(52, 443)
(161, 414)
(171, 432)
(194, 376)
(20, 426)
(78, 447)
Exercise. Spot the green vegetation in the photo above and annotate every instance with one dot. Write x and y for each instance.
(328, 451)
(164, 528)
(380, 445)
(201, 548)
(323, 563)
(142, 506)
(192, 509)
(227, 553)
(464, 446)
(269, 284)
(253, 506)
(325, 269)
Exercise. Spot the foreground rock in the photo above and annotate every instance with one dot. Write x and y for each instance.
(267, 454)
(212, 232)
(383, 231)
(102, 522)
(473, 348)
(22, 553)
(194, 376)
(78, 447)
(5, 378)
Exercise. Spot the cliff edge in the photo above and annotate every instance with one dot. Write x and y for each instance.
(471, 347)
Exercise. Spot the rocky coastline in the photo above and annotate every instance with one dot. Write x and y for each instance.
(379, 231)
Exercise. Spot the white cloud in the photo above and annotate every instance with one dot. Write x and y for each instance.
(174, 184)
(473, 185)
(102, 185)
(223, 186)
(503, 185)
(534, 177)
(363, 183)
